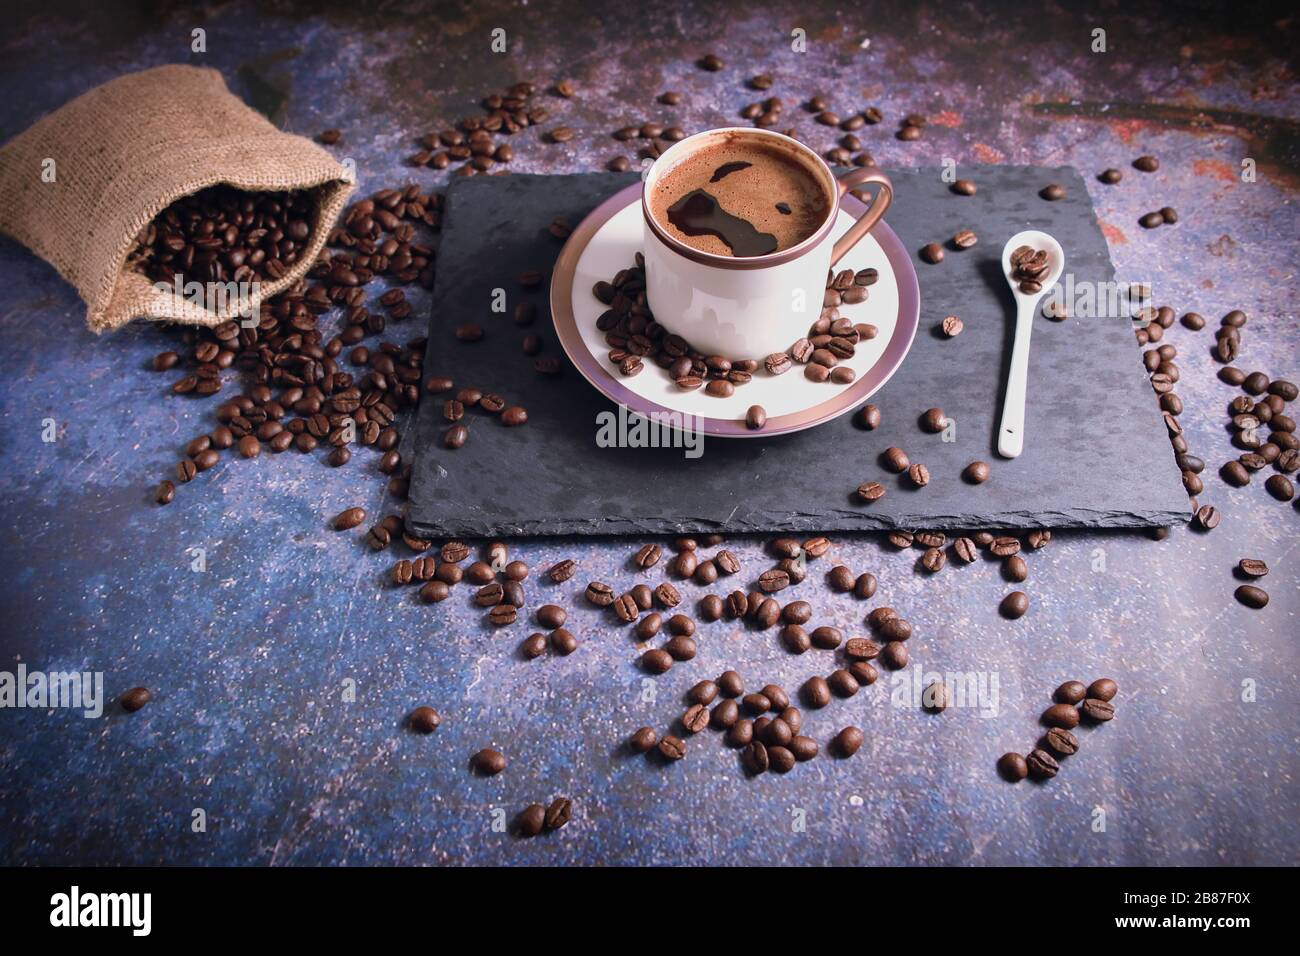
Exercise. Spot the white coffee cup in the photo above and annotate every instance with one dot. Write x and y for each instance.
(748, 308)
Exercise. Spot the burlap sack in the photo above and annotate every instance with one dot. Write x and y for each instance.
(125, 151)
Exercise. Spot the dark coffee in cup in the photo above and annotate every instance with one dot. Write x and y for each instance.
(741, 196)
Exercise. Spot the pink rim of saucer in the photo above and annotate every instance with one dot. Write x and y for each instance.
(844, 399)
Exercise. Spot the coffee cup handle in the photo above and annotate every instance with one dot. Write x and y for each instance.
(884, 196)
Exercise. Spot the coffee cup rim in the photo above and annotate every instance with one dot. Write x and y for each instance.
(747, 262)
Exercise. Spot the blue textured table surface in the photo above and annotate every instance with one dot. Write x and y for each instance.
(283, 671)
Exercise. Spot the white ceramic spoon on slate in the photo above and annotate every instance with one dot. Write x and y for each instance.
(1011, 436)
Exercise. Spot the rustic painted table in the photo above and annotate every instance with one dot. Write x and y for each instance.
(282, 671)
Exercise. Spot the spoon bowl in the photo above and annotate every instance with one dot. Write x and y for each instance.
(1011, 433)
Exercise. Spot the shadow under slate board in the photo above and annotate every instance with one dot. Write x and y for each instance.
(1096, 453)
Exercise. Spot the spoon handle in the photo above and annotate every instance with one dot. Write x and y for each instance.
(1011, 436)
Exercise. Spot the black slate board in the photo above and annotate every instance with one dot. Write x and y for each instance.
(1096, 450)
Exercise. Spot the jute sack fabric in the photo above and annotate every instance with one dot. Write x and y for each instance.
(122, 153)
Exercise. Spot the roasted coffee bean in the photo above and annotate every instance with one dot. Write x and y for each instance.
(880, 615)
(725, 715)
(777, 698)
(1103, 689)
(1208, 517)
(165, 492)
(842, 683)
(695, 719)
(1062, 741)
(648, 626)
(534, 646)
(656, 661)
(1005, 546)
(848, 741)
(1280, 487)
(1052, 192)
(1098, 711)
(684, 564)
(932, 253)
(680, 624)
(816, 692)
(936, 697)
(840, 579)
(861, 648)
(1014, 605)
(135, 698)
(1013, 767)
(489, 762)
(600, 594)
(1071, 692)
(643, 740)
(895, 628)
(933, 560)
(672, 748)
(871, 491)
(795, 639)
(773, 580)
(868, 417)
(754, 758)
(963, 187)
(667, 595)
(626, 608)
(934, 420)
(1042, 764)
(1252, 567)
(648, 556)
(894, 655)
(711, 607)
(741, 733)
(776, 732)
(755, 418)
(952, 326)
(551, 616)
(826, 637)
(726, 562)
(1147, 164)
(561, 571)
(499, 616)
(703, 692)
(1061, 715)
(425, 720)
(730, 684)
(864, 586)
(1251, 596)
(895, 460)
(976, 473)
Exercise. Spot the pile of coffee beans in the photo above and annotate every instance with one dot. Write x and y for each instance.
(297, 394)
(224, 234)
(635, 337)
(1073, 703)
(471, 142)
(1028, 267)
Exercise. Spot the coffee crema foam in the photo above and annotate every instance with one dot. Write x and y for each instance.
(740, 197)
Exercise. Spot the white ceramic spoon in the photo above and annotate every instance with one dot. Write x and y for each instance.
(1011, 436)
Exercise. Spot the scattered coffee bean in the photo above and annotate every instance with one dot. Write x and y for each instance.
(848, 741)
(1098, 711)
(1013, 767)
(1042, 764)
(1014, 605)
(425, 720)
(135, 698)
(488, 762)
(1252, 567)
(1251, 596)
